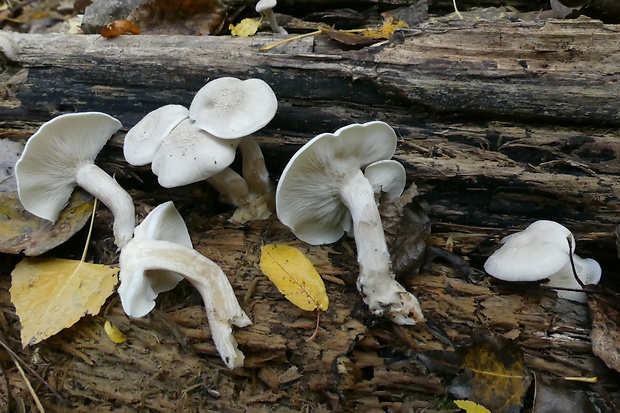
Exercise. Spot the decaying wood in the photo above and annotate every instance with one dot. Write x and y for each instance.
(355, 363)
(501, 123)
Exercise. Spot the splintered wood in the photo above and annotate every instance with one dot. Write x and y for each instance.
(169, 359)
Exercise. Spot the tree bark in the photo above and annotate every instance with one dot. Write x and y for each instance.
(501, 122)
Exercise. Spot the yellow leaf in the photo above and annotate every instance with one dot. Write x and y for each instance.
(295, 276)
(471, 407)
(390, 25)
(245, 28)
(114, 333)
(50, 294)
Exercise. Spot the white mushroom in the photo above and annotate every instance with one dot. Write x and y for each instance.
(186, 146)
(542, 251)
(61, 155)
(323, 190)
(156, 259)
(265, 7)
(230, 108)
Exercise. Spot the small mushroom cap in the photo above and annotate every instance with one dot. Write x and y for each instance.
(387, 176)
(189, 155)
(533, 254)
(263, 5)
(589, 272)
(138, 290)
(144, 139)
(308, 193)
(46, 171)
(230, 108)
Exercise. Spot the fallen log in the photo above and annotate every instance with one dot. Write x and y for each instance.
(501, 122)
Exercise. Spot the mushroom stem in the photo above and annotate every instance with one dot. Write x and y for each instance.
(234, 190)
(380, 291)
(254, 170)
(232, 187)
(275, 27)
(102, 186)
(222, 308)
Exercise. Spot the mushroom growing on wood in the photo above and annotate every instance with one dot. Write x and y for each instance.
(542, 251)
(265, 7)
(61, 155)
(322, 192)
(187, 146)
(230, 108)
(158, 257)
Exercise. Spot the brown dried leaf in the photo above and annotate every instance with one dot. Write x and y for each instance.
(406, 227)
(118, 28)
(180, 17)
(553, 396)
(605, 334)
(22, 232)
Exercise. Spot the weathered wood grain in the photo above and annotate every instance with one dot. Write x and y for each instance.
(501, 122)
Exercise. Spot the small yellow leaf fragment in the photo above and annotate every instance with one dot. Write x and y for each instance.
(51, 294)
(295, 276)
(390, 25)
(114, 333)
(246, 28)
(471, 407)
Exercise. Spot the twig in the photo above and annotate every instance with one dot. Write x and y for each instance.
(301, 36)
(15, 358)
(572, 262)
(30, 389)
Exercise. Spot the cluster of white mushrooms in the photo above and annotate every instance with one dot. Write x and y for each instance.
(329, 187)
(544, 250)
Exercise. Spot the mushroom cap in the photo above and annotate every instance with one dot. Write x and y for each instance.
(139, 289)
(189, 155)
(387, 176)
(308, 193)
(230, 108)
(143, 140)
(533, 254)
(46, 171)
(589, 272)
(263, 5)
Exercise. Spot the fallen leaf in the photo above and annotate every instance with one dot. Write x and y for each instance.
(51, 294)
(493, 374)
(390, 25)
(471, 407)
(119, 27)
(246, 28)
(554, 396)
(605, 334)
(22, 232)
(295, 276)
(406, 227)
(114, 333)
(180, 17)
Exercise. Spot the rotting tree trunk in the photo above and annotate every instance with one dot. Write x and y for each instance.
(501, 122)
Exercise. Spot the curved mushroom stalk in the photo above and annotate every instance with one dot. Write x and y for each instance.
(380, 291)
(105, 188)
(234, 190)
(223, 310)
(254, 169)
